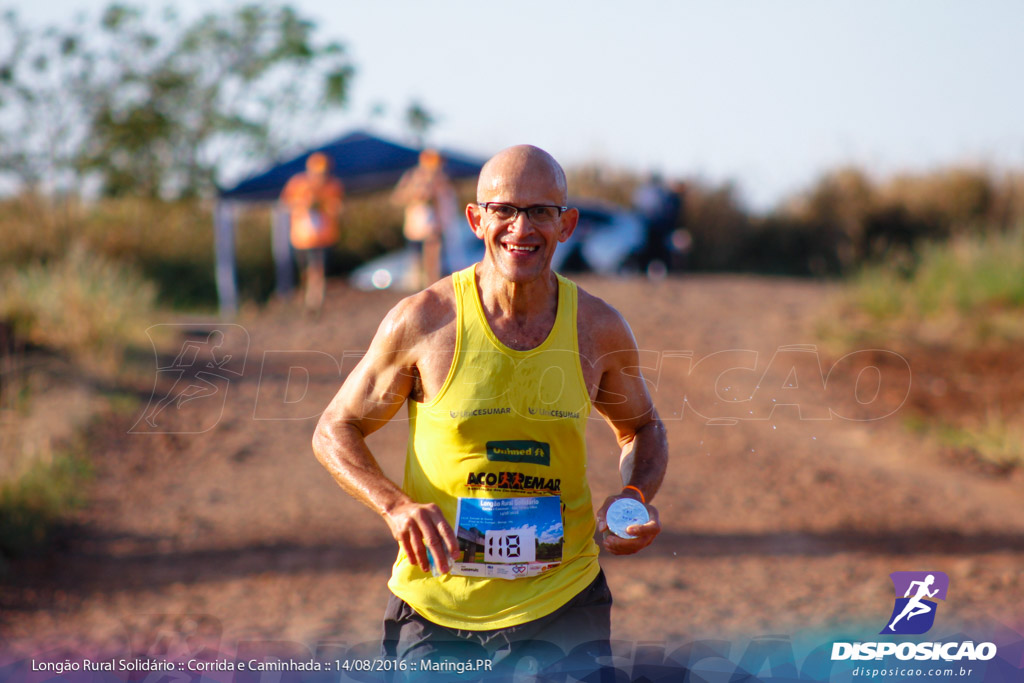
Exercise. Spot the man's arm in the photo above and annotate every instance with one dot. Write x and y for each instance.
(404, 191)
(293, 195)
(333, 200)
(623, 400)
(371, 396)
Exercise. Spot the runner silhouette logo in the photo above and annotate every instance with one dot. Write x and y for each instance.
(916, 595)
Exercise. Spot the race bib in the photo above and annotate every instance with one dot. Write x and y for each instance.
(509, 538)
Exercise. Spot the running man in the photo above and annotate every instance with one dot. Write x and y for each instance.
(472, 355)
(914, 606)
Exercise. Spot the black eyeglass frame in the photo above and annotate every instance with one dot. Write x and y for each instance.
(523, 209)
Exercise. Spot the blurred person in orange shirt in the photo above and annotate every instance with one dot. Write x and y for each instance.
(314, 199)
(429, 200)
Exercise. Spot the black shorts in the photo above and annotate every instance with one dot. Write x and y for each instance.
(311, 258)
(573, 636)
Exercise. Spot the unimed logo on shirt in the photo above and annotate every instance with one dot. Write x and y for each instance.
(533, 452)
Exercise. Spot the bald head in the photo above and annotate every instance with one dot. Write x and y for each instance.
(515, 166)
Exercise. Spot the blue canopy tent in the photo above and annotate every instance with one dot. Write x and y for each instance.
(363, 162)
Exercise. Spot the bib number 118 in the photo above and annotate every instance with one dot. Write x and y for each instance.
(510, 546)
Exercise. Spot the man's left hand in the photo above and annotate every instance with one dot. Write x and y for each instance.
(644, 533)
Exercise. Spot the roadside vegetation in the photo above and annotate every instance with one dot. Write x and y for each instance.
(965, 292)
(958, 305)
(35, 502)
(81, 305)
(66, 324)
(932, 267)
(994, 440)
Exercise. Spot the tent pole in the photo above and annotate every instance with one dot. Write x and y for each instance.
(224, 252)
(282, 248)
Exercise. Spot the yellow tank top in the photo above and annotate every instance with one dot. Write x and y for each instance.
(501, 450)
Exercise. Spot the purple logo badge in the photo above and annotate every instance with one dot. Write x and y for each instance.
(916, 593)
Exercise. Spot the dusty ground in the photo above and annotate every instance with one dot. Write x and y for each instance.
(777, 517)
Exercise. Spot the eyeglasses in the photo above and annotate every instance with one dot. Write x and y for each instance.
(539, 213)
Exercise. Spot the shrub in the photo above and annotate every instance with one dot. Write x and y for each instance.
(966, 290)
(32, 504)
(83, 305)
(994, 440)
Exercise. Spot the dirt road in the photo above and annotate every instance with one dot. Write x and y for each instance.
(781, 511)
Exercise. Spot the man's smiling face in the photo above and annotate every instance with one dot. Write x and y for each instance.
(521, 249)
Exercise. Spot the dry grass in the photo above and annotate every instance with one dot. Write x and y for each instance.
(965, 292)
(34, 503)
(993, 440)
(82, 305)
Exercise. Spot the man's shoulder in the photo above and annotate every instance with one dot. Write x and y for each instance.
(422, 315)
(597, 315)
(296, 181)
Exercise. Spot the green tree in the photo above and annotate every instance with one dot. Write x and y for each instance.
(419, 121)
(44, 76)
(159, 108)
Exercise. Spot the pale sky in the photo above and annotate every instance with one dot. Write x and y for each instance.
(768, 94)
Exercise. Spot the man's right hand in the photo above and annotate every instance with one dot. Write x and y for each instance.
(643, 534)
(418, 527)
